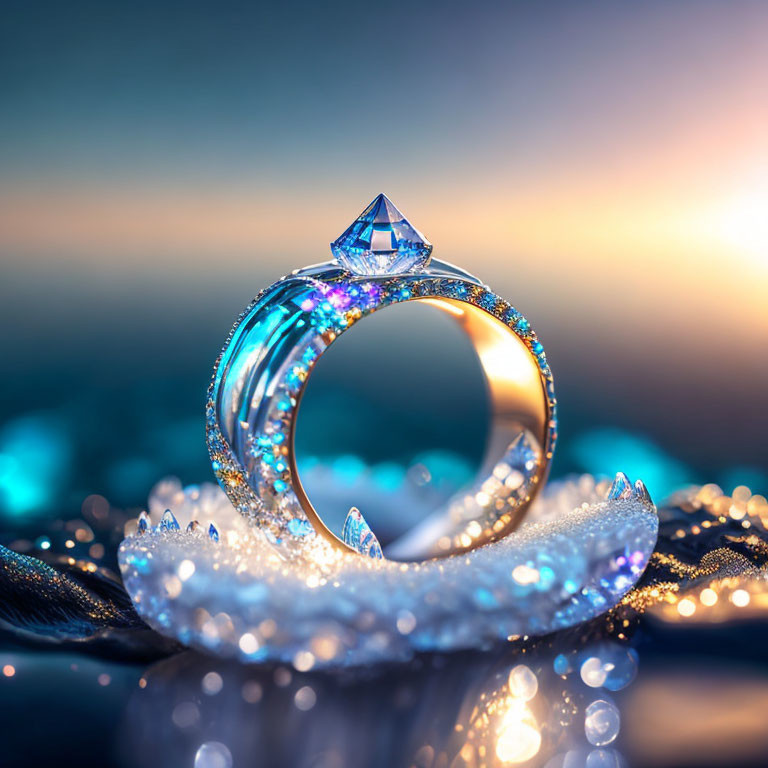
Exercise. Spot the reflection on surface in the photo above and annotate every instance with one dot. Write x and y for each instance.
(525, 704)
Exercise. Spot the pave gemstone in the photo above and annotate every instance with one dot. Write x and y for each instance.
(381, 241)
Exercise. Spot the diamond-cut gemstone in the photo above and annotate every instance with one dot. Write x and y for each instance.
(358, 535)
(641, 493)
(621, 488)
(381, 241)
(144, 523)
(523, 454)
(168, 522)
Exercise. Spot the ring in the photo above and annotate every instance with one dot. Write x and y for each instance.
(259, 378)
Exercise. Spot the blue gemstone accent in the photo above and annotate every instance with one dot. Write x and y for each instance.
(522, 326)
(521, 454)
(213, 533)
(425, 288)
(144, 523)
(300, 527)
(488, 301)
(309, 355)
(358, 535)
(293, 378)
(168, 522)
(621, 488)
(381, 241)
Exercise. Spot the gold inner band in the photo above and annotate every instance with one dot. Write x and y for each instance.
(518, 402)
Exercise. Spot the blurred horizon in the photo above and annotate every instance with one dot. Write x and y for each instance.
(603, 166)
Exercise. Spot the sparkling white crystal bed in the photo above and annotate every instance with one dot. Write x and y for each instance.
(238, 596)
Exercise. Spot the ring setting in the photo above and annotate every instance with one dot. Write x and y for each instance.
(254, 398)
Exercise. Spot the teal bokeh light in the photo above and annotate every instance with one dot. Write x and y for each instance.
(34, 458)
(608, 450)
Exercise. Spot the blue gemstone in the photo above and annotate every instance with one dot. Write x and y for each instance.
(381, 241)
(511, 316)
(459, 290)
(144, 523)
(357, 534)
(168, 522)
(522, 326)
(621, 488)
(300, 527)
(293, 377)
(488, 301)
(308, 356)
(424, 288)
(213, 532)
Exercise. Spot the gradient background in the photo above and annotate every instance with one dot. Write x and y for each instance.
(602, 165)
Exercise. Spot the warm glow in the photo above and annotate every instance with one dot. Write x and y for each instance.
(518, 736)
(708, 597)
(740, 598)
(742, 224)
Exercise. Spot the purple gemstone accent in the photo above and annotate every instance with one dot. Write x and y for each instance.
(339, 297)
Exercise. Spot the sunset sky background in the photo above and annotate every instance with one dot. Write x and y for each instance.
(602, 165)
